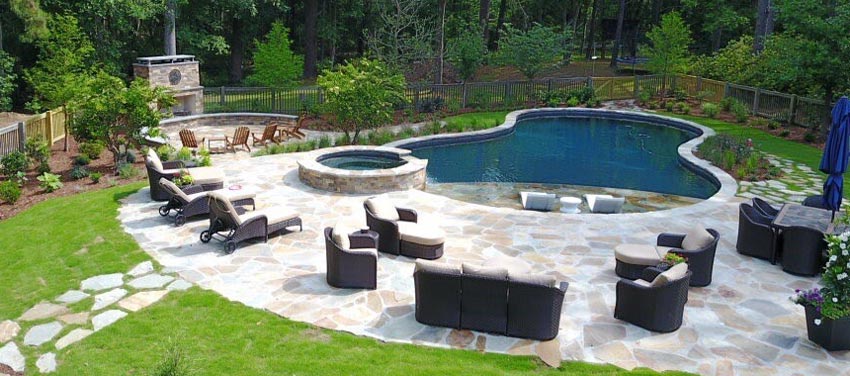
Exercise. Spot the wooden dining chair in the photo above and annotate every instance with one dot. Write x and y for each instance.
(240, 138)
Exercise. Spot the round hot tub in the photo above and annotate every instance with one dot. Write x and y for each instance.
(362, 169)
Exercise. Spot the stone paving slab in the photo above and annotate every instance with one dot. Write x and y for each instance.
(103, 282)
(8, 330)
(46, 363)
(103, 300)
(40, 334)
(287, 276)
(107, 318)
(72, 337)
(11, 356)
(72, 296)
(43, 311)
(151, 281)
(141, 300)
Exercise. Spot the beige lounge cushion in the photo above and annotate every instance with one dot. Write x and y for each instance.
(673, 274)
(436, 267)
(382, 208)
(477, 270)
(533, 279)
(230, 194)
(220, 200)
(419, 233)
(637, 254)
(206, 175)
(696, 238)
(274, 215)
(174, 190)
(153, 160)
(340, 236)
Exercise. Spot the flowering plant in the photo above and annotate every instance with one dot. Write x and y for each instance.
(183, 178)
(672, 258)
(832, 300)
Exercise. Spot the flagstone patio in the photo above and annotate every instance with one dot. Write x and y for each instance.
(743, 323)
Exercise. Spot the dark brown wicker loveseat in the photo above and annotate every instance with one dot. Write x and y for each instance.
(193, 201)
(232, 228)
(209, 178)
(658, 305)
(352, 259)
(488, 300)
(400, 233)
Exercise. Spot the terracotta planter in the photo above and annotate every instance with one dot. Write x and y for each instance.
(832, 335)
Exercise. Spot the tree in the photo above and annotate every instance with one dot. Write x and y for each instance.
(668, 50)
(311, 40)
(467, 53)
(105, 109)
(274, 63)
(33, 16)
(361, 95)
(618, 37)
(404, 36)
(7, 81)
(764, 24)
(170, 36)
(531, 51)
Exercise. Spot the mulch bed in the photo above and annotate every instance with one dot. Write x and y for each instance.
(61, 163)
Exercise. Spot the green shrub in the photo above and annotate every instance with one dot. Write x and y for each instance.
(669, 106)
(95, 177)
(572, 102)
(13, 163)
(710, 109)
(38, 150)
(175, 362)
(42, 168)
(204, 159)
(810, 137)
(740, 111)
(679, 106)
(343, 139)
(49, 182)
(183, 178)
(680, 95)
(127, 171)
(10, 191)
(380, 137)
(165, 152)
(92, 149)
(773, 125)
(784, 133)
(758, 122)
(405, 132)
(20, 177)
(727, 102)
(184, 154)
(704, 94)
(685, 108)
(82, 160)
(79, 172)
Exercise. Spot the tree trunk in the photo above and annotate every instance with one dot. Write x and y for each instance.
(618, 36)
(762, 15)
(500, 23)
(311, 41)
(171, 27)
(484, 18)
(237, 51)
(441, 40)
(591, 34)
(656, 11)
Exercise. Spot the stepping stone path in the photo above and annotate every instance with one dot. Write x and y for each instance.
(796, 183)
(112, 299)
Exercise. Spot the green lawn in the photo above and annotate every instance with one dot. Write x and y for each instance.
(51, 247)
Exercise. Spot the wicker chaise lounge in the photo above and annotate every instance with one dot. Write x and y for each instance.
(209, 178)
(655, 302)
(231, 228)
(400, 234)
(193, 201)
(352, 258)
(488, 299)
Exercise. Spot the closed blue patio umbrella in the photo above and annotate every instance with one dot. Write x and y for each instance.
(835, 155)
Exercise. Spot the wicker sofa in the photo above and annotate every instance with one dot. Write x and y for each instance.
(488, 300)
(209, 178)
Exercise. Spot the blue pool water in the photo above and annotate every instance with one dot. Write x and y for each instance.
(576, 151)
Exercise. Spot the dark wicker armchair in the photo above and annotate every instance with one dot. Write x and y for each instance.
(756, 235)
(352, 264)
(700, 261)
(802, 250)
(227, 226)
(392, 234)
(815, 201)
(192, 201)
(657, 308)
(765, 208)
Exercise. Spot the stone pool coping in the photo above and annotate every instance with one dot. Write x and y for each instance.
(727, 186)
(410, 175)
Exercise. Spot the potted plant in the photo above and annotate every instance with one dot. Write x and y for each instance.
(828, 307)
(183, 179)
(671, 259)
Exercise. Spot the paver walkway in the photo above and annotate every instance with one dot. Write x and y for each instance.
(743, 323)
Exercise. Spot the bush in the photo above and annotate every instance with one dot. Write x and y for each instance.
(204, 159)
(727, 102)
(13, 163)
(680, 95)
(38, 151)
(572, 102)
(127, 171)
(10, 191)
(784, 133)
(644, 96)
(82, 160)
(49, 182)
(669, 106)
(184, 154)
(810, 137)
(685, 108)
(92, 149)
(704, 94)
(773, 125)
(183, 179)
(43, 168)
(430, 105)
(165, 152)
(95, 177)
(79, 172)
(20, 177)
(758, 122)
(710, 109)
(740, 111)
(324, 141)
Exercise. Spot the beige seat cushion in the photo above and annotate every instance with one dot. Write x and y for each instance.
(219, 200)
(533, 279)
(696, 238)
(153, 160)
(637, 254)
(369, 251)
(206, 175)
(476, 270)
(419, 233)
(274, 215)
(382, 208)
(437, 267)
(340, 236)
(673, 274)
(230, 194)
(643, 283)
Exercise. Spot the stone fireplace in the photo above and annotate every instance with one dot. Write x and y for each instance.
(180, 74)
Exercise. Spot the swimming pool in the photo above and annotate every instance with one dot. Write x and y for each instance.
(588, 151)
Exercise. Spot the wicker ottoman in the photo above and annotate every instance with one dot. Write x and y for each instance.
(632, 259)
(420, 241)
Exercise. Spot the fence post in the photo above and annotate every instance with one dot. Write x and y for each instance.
(756, 101)
(637, 87)
(22, 136)
(549, 86)
(699, 84)
(792, 112)
(221, 96)
(726, 89)
(48, 121)
(590, 82)
(464, 94)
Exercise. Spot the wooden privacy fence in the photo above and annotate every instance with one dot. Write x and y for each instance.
(47, 126)
(770, 104)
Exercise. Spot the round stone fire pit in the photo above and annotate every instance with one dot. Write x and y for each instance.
(362, 169)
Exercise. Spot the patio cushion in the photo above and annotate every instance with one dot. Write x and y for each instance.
(663, 251)
(696, 238)
(274, 215)
(174, 190)
(637, 254)
(226, 206)
(537, 200)
(418, 233)
(153, 160)
(382, 208)
(673, 274)
(340, 236)
(533, 279)
(230, 194)
(492, 273)
(437, 267)
(643, 283)
(206, 175)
